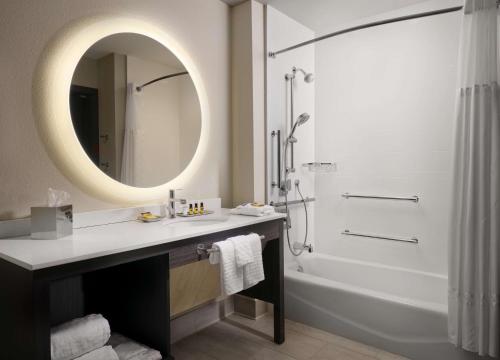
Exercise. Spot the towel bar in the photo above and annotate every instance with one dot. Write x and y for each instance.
(202, 249)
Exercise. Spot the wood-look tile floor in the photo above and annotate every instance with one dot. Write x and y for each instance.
(238, 338)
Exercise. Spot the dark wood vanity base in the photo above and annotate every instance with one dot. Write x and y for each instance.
(130, 289)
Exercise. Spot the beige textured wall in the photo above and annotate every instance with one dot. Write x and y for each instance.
(248, 112)
(242, 102)
(201, 26)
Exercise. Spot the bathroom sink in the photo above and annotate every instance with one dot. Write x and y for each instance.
(198, 221)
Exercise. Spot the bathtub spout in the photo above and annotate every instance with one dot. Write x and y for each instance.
(300, 246)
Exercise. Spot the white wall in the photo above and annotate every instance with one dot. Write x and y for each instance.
(158, 114)
(384, 111)
(201, 26)
(86, 73)
(283, 31)
(160, 117)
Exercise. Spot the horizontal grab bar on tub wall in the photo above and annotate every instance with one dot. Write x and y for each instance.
(412, 240)
(292, 202)
(406, 198)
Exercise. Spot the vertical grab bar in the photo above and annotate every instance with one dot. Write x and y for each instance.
(277, 134)
(292, 167)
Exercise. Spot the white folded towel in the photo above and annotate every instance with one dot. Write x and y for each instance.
(253, 210)
(242, 250)
(231, 274)
(131, 350)
(78, 337)
(104, 353)
(253, 272)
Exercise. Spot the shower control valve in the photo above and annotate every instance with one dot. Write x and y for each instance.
(285, 187)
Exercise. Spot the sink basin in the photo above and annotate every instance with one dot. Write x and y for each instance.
(198, 221)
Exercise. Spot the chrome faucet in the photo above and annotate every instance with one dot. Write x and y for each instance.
(309, 248)
(300, 246)
(172, 213)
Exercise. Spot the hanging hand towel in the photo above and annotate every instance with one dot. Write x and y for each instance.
(231, 274)
(78, 337)
(253, 272)
(104, 353)
(242, 250)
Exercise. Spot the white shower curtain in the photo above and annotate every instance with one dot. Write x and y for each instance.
(129, 138)
(474, 243)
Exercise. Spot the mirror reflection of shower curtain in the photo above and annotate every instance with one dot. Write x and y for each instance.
(128, 168)
(474, 261)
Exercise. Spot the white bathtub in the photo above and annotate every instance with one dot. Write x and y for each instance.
(391, 308)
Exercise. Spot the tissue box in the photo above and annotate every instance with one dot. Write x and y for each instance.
(48, 223)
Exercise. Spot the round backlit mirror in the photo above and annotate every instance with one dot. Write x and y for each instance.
(135, 110)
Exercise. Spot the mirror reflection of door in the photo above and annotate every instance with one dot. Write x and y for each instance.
(84, 105)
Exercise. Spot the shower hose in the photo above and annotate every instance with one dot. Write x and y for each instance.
(288, 221)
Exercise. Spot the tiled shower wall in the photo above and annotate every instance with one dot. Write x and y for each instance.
(384, 112)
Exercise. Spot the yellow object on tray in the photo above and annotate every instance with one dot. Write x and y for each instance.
(148, 217)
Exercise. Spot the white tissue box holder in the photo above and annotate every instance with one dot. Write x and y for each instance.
(50, 223)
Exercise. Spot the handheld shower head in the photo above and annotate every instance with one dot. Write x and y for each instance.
(302, 119)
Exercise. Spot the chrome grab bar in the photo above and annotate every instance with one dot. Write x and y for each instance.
(406, 198)
(202, 249)
(412, 240)
(292, 202)
(277, 134)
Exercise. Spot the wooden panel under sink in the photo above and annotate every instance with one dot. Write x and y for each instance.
(192, 285)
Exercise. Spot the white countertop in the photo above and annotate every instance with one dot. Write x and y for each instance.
(95, 241)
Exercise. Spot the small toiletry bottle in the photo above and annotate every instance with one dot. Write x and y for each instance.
(190, 211)
(196, 208)
(202, 208)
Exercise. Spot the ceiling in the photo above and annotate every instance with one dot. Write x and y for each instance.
(322, 15)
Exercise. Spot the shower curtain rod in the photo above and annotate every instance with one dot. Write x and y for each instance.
(272, 54)
(139, 88)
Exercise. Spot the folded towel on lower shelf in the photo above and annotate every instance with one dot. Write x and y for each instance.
(78, 337)
(253, 210)
(104, 353)
(127, 349)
